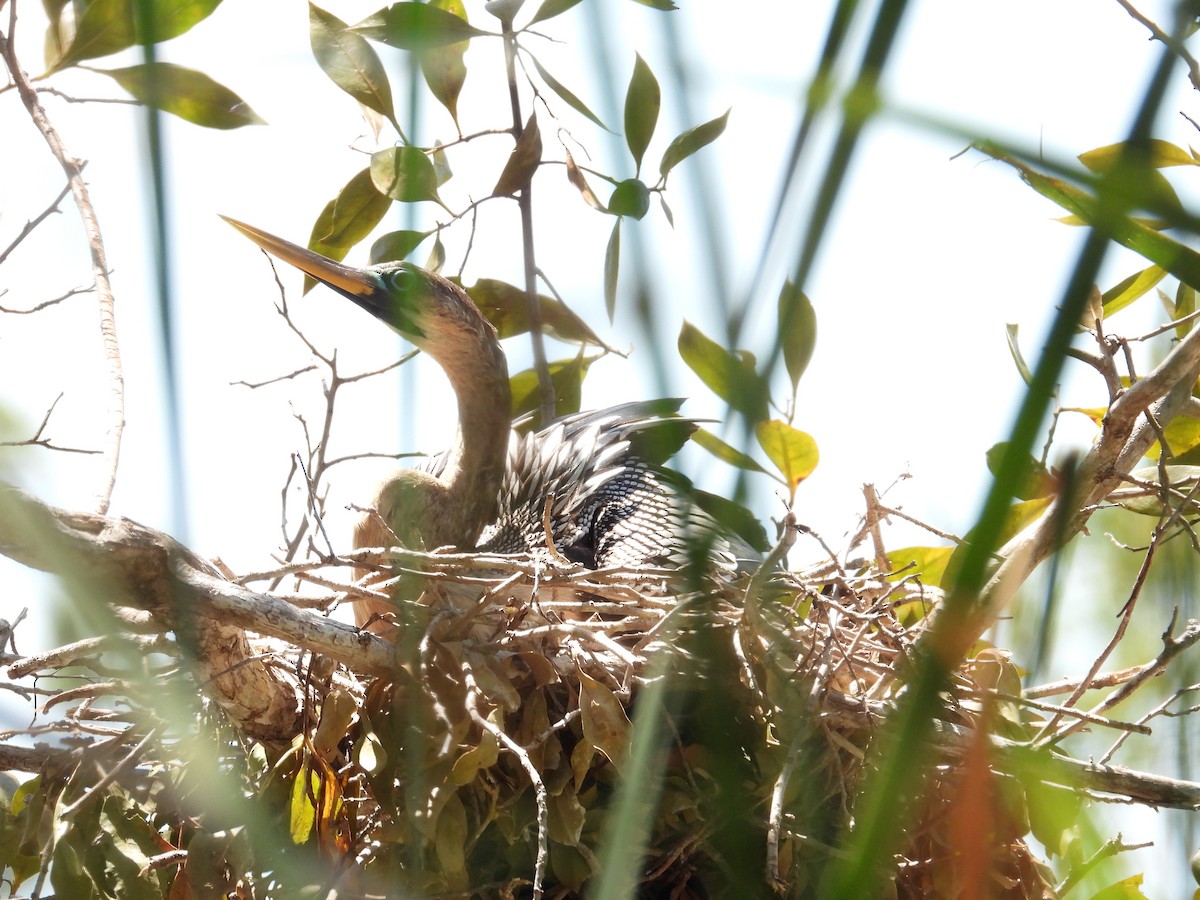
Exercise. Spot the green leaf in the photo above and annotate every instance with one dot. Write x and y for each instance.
(1126, 889)
(1183, 436)
(665, 5)
(60, 29)
(793, 451)
(1130, 289)
(437, 255)
(524, 160)
(450, 839)
(175, 17)
(67, 875)
(642, 100)
(104, 27)
(612, 265)
(1179, 260)
(443, 67)
(797, 330)
(396, 245)
(416, 26)
(1132, 170)
(725, 452)
(1036, 481)
(1019, 516)
(734, 517)
(727, 374)
(927, 562)
(1156, 153)
(690, 141)
(347, 219)
(566, 94)
(350, 62)
(186, 93)
(630, 198)
(405, 174)
(302, 812)
(567, 377)
(506, 307)
(350, 216)
(1185, 305)
(549, 9)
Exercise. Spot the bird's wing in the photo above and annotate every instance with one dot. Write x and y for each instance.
(610, 502)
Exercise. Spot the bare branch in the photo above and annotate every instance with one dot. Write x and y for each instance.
(38, 441)
(1158, 34)
(35, 222)
(38, 307)
(149, 570)
(108, 325)
(1164, 393)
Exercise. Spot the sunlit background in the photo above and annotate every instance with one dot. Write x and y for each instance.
(931, 252)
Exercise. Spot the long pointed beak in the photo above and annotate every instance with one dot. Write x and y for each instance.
(352, 282)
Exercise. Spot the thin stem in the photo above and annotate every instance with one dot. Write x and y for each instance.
(108, 323)
(525, 205)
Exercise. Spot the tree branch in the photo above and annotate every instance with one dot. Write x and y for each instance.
(1162, 395)
(108, 324)
(127, 563)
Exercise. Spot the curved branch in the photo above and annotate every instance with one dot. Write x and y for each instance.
(127, 563)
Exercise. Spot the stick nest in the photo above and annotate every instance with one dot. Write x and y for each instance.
(502, 754)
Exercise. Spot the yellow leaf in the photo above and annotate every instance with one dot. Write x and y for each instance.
(793, 451)
(302, 812)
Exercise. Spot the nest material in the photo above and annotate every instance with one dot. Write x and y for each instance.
(491, 763)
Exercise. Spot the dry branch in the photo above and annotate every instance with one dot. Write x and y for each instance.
(73, 168)
(1160, 396)
(124, 562)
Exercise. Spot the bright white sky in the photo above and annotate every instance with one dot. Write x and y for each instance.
(928, 258)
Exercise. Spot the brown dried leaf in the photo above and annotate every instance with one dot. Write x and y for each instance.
(522, 162)
(605, 724)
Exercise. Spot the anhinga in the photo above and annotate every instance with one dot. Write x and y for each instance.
(606, 504)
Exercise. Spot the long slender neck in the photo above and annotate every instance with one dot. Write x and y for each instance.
(478, 372)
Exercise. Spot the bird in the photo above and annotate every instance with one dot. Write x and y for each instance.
(591, 484)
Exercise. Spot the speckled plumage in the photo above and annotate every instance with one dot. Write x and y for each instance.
(607, 506)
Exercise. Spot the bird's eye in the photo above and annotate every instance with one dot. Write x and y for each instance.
(402, 281)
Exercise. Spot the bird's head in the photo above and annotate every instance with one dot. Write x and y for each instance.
(418, 304)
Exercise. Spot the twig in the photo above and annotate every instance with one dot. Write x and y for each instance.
(1067, 685)
(38, 307)
(525, 205)
(1158, 34)
(539, 787)
(1110, 849)
(108, 324)
(133, 757)
(38, 441)
(35, 222)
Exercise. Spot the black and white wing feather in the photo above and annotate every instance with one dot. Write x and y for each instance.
(606, 505)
